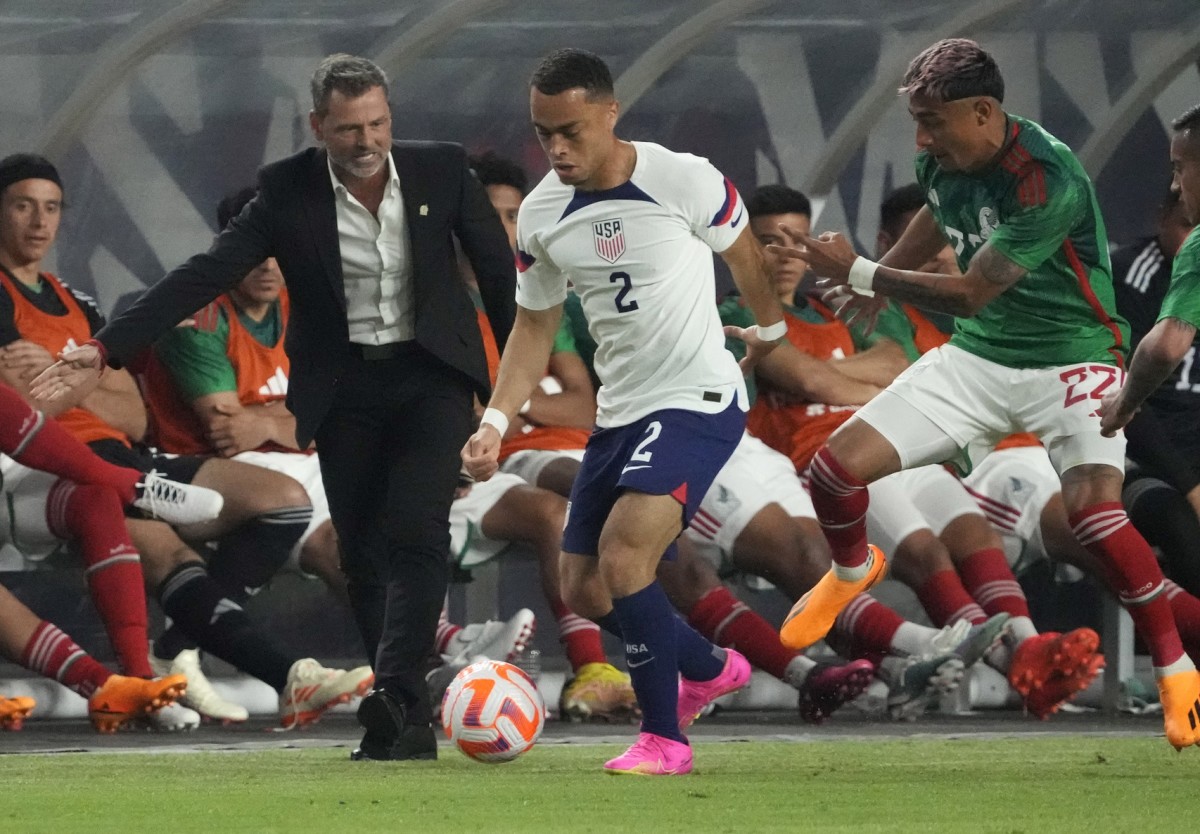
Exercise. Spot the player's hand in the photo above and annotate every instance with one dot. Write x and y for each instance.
(829, 255)
(756, 347)
(1114, 414)
(233, 430)
(481, 455)
(76, 367)
(852, 307)
(26, 359)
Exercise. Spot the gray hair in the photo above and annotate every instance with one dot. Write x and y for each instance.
(349, 75)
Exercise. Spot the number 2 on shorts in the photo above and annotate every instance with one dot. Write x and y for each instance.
(640, 455)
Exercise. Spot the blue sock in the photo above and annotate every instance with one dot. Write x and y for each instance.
(646, 621)
(608, 622)
(699, 659)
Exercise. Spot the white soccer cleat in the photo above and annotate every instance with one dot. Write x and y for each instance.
(173, 718)
(200, 696)
(494, 639)
(914, 682)
(175, 502)
(311, 689)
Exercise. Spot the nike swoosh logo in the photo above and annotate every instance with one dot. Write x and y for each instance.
(632, 468)
(633, 665)
(733, 225)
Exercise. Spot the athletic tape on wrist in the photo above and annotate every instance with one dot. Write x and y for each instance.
(772, 332)
(495, 418)
(862, 275)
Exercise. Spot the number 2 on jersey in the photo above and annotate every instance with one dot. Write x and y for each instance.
(623, 306)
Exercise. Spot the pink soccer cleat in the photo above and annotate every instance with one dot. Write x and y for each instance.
(694, 696)
(830, 685)
(652, 755)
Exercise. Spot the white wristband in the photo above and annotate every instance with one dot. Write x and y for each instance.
(772, 332)
(495, 418)
(862, 275)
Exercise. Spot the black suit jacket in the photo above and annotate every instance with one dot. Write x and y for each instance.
(293, 219)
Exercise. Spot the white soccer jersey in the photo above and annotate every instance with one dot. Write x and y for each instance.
(640, 258)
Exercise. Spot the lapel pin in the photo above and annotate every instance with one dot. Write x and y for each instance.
(424, 210)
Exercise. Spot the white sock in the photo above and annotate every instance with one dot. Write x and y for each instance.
(913, 639)
(1184, 664)
(797, 670)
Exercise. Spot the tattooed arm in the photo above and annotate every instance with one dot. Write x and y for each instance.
(989, 274)
(1156, 356)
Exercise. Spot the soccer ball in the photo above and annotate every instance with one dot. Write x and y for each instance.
(493, 711)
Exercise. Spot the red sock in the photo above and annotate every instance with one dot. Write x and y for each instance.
(870, 624)
(55, 655)
(445, 630)
(987, 577)
(729, 622)
(1186, 610)
(94, 517)
(945, 599)
(32, 440)
(840, 500)
(1133, 574)
(580, 636)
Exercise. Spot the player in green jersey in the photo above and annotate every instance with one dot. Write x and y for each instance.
(1164, 347)
(1037, 343)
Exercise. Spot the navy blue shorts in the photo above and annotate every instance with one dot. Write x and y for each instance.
(671, 452)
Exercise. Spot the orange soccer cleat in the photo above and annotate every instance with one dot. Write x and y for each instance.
(1180, 696)
(122, 699)
(813, 614)
(14, 711)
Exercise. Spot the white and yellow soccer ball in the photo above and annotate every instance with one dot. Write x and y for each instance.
(493, 711)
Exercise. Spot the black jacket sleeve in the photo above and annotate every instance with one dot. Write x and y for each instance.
(243, 245)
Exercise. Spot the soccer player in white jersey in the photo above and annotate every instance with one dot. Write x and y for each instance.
(632, 226)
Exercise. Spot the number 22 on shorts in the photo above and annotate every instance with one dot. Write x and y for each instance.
(1088, 382)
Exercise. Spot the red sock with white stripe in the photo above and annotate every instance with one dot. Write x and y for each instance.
(988, 578)
(840, 501)
(51, 653)
(580, 637)
(93, 516)
(727, 621)
(445, 630)
(1186, 610)
(871, 626)
(1134, 575)
(33, 440)
(946, 600)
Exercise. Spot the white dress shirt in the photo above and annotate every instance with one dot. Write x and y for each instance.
(376, 264)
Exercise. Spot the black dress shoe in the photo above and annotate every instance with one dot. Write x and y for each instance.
(390, 735)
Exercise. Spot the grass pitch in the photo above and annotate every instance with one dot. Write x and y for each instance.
(1045, 784)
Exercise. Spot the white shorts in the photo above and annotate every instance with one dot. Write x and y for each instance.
(23, 515)
(754, 477)
(1012, 487)
(954, 406)
(469, 547)
(925, 498)
(303, 468)
(529, 463)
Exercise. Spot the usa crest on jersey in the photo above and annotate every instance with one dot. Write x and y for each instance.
(610, 239)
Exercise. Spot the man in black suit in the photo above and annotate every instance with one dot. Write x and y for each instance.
(385, 357)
